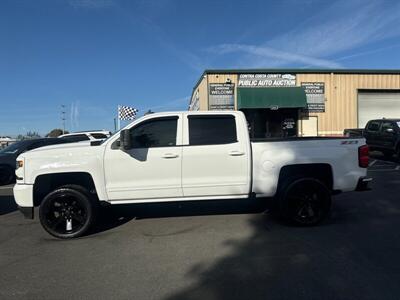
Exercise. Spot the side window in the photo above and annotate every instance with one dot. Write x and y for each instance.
(387, 125)
(35, 145)
(155, 133)
(77, 138)
(212, 130)
(98, 136)
(373, 126)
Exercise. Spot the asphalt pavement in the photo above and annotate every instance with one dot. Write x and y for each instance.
(212, 250)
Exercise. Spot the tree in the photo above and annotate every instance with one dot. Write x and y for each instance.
(29, 135)
(56, 133)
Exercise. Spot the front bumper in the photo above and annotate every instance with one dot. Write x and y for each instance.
(27, 212)
(23, 195)
(362, 184)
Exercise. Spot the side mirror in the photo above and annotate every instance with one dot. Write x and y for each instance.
(125, 140)
(389, 130)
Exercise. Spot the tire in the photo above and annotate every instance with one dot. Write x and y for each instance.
(304, 201)
(68, 212)
(7, 175)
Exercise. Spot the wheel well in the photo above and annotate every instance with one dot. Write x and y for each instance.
(322, 172)
(44, 184)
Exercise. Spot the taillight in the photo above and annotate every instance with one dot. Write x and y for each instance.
(363, 156)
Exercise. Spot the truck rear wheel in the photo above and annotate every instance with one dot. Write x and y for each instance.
(305, 201)
(67, 212)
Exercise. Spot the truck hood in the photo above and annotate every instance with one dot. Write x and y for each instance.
(62, 152)
(65, 146)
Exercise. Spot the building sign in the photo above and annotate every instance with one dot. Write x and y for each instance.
(266, 80)
(222, 96)
(315, 92)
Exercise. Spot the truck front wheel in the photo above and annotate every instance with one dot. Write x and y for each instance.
(67, 212)
(305, 201)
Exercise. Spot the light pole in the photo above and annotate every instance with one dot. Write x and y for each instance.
(63, 117)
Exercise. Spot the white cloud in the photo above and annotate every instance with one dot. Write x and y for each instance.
(343, 26)
(180, 103)
(267, 56)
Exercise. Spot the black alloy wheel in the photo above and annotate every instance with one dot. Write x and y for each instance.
(306, 202)
(6, 175)
(67, 212)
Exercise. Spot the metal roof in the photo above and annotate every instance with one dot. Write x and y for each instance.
(296, 71)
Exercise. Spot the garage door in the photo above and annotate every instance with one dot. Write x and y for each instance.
(377, 106)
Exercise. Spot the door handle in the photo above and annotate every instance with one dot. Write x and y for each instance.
(170, 155)
(236, 153)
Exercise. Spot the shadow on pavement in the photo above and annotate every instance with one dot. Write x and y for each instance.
(114, 216)
(354, 255)
(335, 261)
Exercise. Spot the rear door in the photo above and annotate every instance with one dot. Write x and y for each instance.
(215, 156)
(372, 133)
(388, 134)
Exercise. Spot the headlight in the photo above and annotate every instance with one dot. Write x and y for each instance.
(19, 164)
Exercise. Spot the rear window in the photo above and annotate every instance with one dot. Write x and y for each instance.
(373, 126)
(77, 137)
(99, 136)
(212, 130)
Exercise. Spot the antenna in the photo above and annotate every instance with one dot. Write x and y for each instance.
(63, 117)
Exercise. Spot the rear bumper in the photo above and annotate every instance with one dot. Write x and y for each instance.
(23, 195)
(362, 184)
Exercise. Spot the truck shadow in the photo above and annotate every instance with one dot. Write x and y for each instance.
(335, 261)
(117, 215)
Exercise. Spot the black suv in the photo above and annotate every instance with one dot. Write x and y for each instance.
(383, 135)
(9, 155)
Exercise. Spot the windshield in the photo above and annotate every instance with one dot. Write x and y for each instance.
(14, 148)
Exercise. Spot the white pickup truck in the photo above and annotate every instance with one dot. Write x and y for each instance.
(181, 156)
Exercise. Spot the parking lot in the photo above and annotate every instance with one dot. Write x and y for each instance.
(212, 250)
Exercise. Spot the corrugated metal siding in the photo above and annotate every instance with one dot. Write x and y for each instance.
(340, 94)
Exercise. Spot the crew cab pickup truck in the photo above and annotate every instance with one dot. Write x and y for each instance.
(383, 135)
(182, 156)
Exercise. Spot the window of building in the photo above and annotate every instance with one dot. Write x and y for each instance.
(212, 130)
(155, 133)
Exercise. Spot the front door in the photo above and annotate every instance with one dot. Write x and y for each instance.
(152, 168)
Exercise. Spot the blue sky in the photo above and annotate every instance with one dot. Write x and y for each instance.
(93, 55)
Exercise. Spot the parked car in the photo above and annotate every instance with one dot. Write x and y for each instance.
(383, 135)
(186, 156)
(9, 154)
(353, 132)
(87, 135)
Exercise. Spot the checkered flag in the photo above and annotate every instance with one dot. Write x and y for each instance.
(126, 112)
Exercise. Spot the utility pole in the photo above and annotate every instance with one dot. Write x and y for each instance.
(63, 117)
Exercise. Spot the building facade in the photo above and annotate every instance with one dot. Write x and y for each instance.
(303, 102)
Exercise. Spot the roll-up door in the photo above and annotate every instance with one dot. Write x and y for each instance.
(377, 105)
